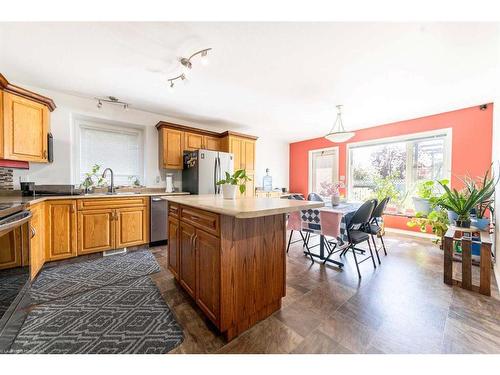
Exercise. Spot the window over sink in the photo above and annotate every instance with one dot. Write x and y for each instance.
(120, 148)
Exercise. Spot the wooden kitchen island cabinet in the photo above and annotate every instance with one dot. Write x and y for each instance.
(230, 256)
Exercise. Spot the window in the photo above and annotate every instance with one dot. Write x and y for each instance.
(398, 165)
(115, 147)
(323, 169)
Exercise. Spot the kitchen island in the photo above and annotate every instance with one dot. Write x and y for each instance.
(229, 255)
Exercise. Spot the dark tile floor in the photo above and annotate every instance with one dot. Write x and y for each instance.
(401, 307)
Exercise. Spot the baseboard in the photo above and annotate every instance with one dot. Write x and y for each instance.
(411, 233)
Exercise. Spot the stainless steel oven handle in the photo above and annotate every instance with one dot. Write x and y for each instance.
(14, 224)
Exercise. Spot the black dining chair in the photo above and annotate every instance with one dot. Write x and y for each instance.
(375, 228)
(356, 232)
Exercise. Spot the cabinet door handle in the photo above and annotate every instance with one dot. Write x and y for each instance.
(33, 231)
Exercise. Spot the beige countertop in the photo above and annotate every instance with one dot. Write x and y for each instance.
(38, 199)
(244, 208)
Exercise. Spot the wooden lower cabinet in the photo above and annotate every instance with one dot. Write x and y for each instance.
(60, 228)
(11, 242)
(173, 246)
(96, 231)
(187, 274)
(37, 238)
(207, 248)
(132, 226)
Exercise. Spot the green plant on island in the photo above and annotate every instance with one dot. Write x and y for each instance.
(238, 178)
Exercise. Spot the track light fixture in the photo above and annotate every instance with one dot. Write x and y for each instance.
(111, 100)
(188, 65)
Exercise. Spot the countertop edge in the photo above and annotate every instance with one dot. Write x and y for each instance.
(247, 214)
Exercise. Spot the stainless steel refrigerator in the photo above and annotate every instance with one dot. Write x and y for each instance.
(202, 170)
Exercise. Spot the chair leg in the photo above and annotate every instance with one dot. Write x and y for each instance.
(376, 249)
(307, 247)
(289, 241)
(371, 253)
(356, 261)
(330, 251)
(383, 244)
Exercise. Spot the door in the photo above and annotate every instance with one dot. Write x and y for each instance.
(207, 172)
(96, 231)
(11, 250)
(187, 276)
(323, 169)
(26, 125)
(173, 246)
(132, 226)
(208, 274)
(192, 141)
(211, 143)
(61, 229)
(171, 148)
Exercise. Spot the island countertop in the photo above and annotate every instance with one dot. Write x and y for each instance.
(243, 208)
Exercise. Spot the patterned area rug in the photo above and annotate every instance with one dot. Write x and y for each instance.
(67, 279)
(127, 317)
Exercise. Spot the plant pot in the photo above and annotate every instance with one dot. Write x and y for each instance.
(482, 224)
(229, 191)
(462, 223)
(335, 200)
(452, 216)
(421, 205)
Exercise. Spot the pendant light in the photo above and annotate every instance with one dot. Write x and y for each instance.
(338, 134)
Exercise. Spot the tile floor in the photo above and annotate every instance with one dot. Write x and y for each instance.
(401, 307)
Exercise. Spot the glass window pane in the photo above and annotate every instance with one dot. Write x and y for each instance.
(324, 171)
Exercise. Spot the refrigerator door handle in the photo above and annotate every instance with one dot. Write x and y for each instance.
(218, 174)
(215, 176)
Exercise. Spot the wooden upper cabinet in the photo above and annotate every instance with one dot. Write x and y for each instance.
(171, 147)
(211, 143)
(60, 226)
(96, 231)
(208, 274)
(24, 123)
(174, 139)
(132, 226)
(193, 141)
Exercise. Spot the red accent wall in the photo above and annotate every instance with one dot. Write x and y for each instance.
(472, 134)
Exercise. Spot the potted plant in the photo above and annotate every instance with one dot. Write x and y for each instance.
(331, 190)
(421, 202)
(229, 184)
(437, 219)
(93, 180)
(462, 202)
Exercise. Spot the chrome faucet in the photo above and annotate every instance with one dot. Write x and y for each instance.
(111, 188)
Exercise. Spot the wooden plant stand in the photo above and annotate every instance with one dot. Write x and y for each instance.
(457, 234)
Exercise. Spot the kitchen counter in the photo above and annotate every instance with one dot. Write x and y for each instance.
(243, 208)
(37, 199)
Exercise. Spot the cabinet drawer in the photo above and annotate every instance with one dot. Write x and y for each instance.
(173, 210)
(98, 203)
(207, 221)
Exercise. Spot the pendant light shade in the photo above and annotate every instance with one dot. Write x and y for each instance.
(338, 134)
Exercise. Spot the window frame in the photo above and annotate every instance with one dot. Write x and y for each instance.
(310, 165)
(446, 132)
(103, 125)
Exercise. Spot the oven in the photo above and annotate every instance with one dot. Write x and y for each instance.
(15, 233)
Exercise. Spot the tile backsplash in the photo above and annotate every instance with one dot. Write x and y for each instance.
(6, 179)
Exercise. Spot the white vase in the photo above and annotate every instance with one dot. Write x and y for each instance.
(229, 191)
(335, 200)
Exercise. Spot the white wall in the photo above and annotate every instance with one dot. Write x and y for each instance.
(270, 153)
(496, 162)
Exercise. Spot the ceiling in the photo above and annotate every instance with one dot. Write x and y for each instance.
(279, 79)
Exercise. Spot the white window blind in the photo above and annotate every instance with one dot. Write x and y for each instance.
(115, 148)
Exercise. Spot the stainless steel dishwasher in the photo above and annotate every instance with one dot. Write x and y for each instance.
(158, 221)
